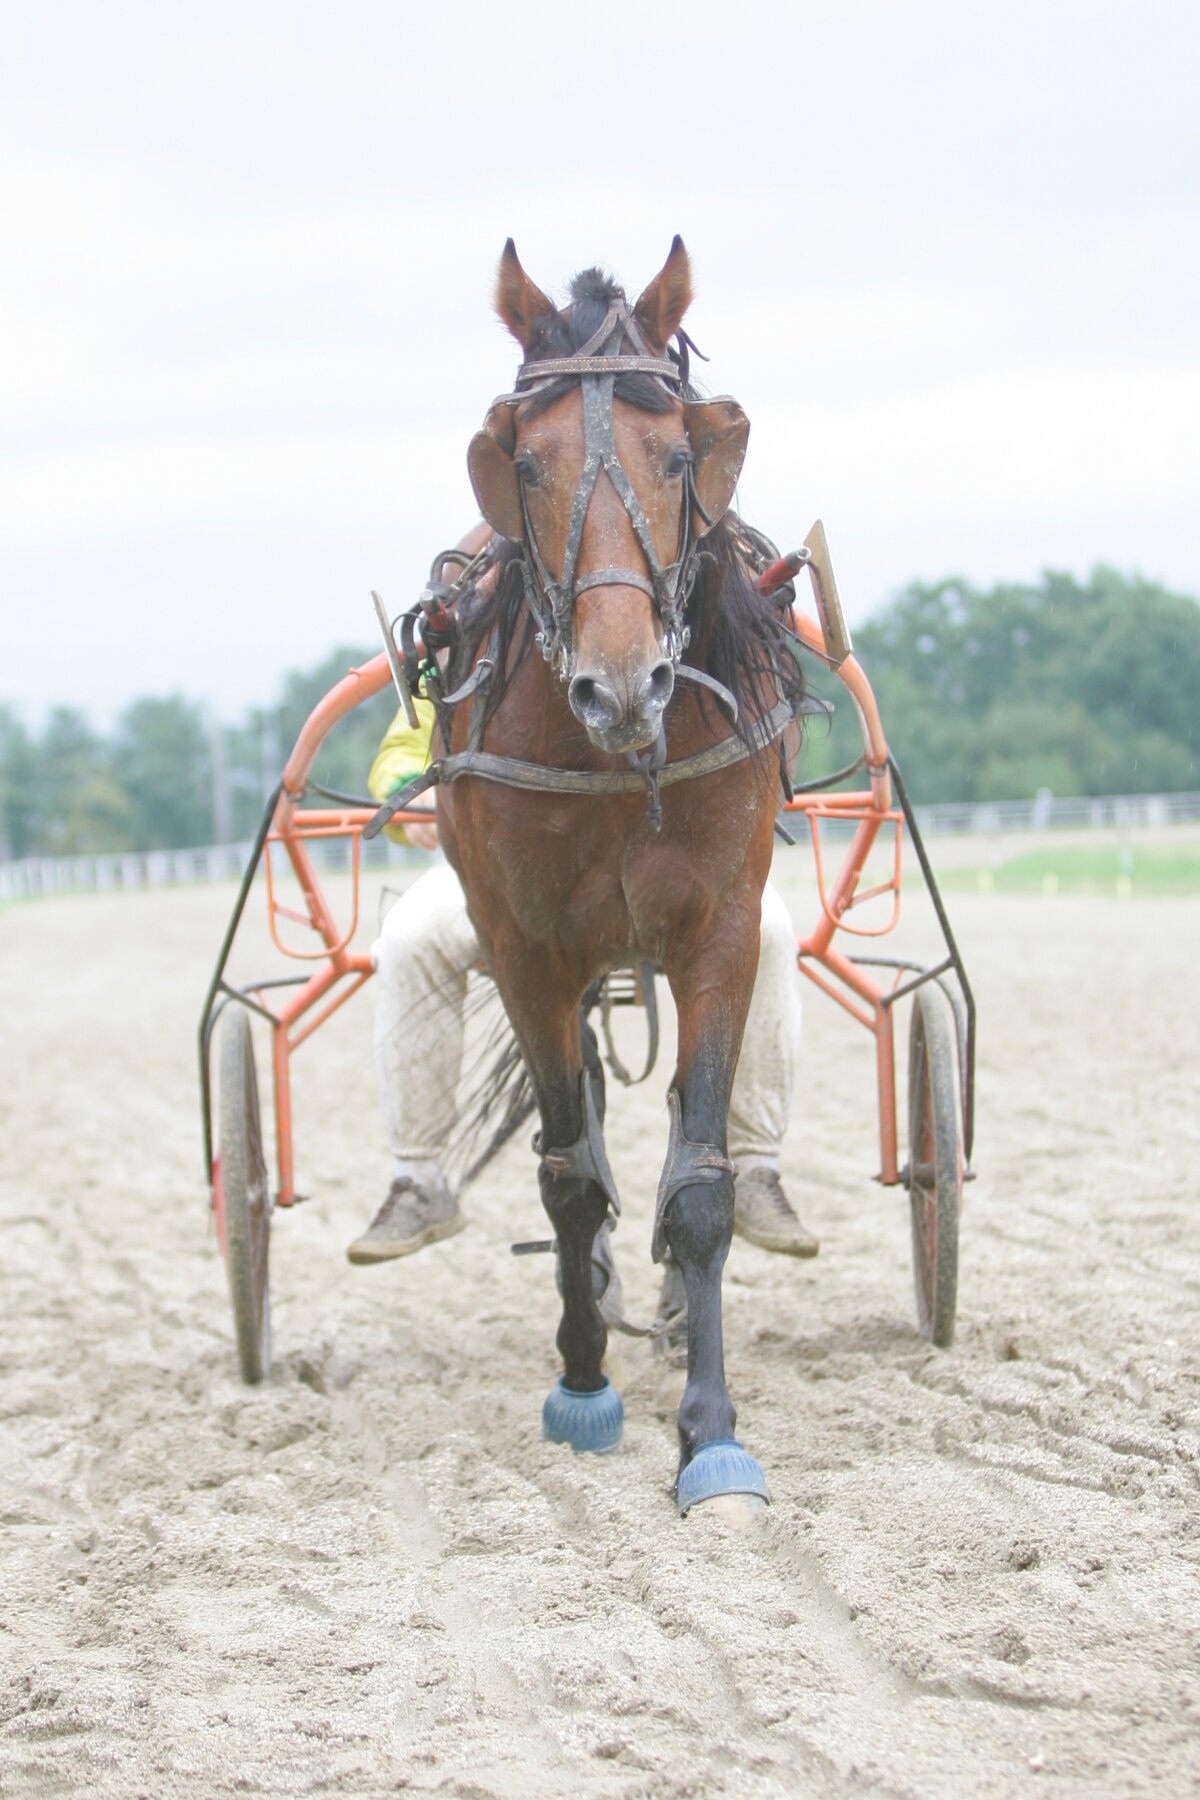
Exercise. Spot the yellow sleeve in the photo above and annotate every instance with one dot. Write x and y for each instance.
(402, 756)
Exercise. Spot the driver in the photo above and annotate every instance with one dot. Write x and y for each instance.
(423, 957)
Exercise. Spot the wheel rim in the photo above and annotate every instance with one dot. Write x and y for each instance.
(242, 1199)
(258, 1201)
(258, 1205)
(923, 1189)
(935, 1169)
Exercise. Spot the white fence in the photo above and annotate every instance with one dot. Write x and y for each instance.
(35, 876)
(1048, 813)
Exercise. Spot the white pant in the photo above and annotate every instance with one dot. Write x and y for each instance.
(423, 956)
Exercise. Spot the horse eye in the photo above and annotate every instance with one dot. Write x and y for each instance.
(677, 461)
(527, 469)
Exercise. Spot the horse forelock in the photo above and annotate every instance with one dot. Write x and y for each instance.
(556, 334)
(593, 289)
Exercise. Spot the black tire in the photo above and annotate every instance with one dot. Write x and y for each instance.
(935, 1163)
(244, 1196)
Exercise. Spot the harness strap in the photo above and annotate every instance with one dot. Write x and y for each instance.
(554, 366)
(615, 578)
(649, 765)
(510, 771)
(725, 699)
(596, 344)
(480, 697)
(479, 677)
(650, 1003)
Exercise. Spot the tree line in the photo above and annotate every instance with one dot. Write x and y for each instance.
(991, 694)
(168, 776)
(1080, 687)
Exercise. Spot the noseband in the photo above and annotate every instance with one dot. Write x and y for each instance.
(597, 365)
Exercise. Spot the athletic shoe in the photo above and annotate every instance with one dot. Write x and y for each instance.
(413, 1215)
(763, 1215)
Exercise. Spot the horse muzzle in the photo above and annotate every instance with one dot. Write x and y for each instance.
(622, 711)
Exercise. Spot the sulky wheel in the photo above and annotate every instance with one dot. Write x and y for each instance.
(242, 1196)
(935, 1168)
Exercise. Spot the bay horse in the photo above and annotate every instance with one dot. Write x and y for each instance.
(625, 786)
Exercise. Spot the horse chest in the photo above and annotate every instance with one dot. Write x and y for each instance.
(556, 892)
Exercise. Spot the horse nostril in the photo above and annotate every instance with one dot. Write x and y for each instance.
(593, 702)
(661, 683)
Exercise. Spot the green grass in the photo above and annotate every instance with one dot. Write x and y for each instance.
(1084, 869)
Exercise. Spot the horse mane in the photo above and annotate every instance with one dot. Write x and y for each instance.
(736, 635)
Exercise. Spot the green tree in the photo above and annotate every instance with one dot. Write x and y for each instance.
(1084, 688)
(348, 752)
(162, 761)
(18, 793)
(71, 772)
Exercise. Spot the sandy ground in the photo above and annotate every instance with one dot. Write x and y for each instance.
(981, 1571)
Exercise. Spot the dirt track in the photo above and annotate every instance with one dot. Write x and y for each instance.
(981, 1571)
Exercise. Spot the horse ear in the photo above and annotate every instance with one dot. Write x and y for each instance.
(494, 474)
(519, 301)
(717, 431)
(662, 306)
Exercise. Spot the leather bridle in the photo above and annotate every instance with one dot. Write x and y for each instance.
(597, 365)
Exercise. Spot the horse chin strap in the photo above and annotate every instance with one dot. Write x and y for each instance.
(597, 365)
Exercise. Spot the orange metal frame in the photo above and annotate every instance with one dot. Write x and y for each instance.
(826, 966)
(345, 971)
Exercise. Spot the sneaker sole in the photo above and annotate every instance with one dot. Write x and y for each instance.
(364, 1251)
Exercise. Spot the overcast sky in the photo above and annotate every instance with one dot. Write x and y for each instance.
(946, 255)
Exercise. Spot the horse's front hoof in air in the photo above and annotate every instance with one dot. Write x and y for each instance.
(725, 1478)
(593, 1421)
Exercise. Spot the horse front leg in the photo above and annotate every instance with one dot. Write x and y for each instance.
(583, 1408)
(694, 1214)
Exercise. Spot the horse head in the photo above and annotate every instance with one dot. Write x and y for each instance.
(608, 472)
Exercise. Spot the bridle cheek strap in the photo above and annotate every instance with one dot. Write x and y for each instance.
(553, 602)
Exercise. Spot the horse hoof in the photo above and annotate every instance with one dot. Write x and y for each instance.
(592, 1421)
(722, 1469)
